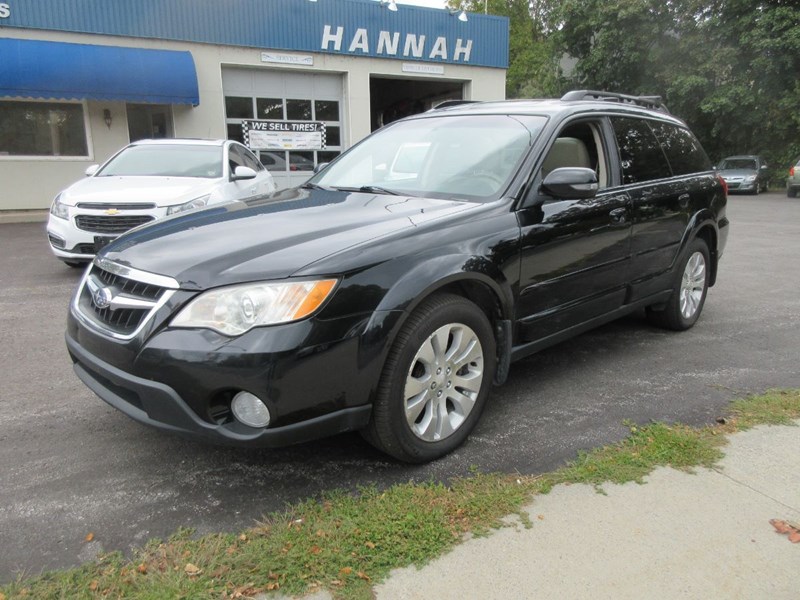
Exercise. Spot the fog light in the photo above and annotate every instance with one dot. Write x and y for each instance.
(248, 409)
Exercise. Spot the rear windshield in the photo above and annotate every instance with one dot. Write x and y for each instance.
(166, 161)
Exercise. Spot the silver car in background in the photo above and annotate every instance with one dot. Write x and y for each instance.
(793, 181)
(145, 181)
(745, 173)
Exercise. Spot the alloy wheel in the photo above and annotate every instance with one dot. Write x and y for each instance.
(443, 382)
(693, 285)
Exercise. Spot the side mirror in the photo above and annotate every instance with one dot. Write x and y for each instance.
(320, 166)
(91, 170)
(571, 183)
(242, 173)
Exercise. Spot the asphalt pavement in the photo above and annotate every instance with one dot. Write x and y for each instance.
(70, 464)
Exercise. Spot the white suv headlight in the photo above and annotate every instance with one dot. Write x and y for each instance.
(236, 309)
(198, 202)
(58, 209)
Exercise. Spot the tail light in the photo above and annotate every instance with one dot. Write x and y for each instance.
(791, 172)
(724, 184)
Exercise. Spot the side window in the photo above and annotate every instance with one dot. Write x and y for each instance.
(640, 153)
(578, 145)
(235, 158)
(683, 151)
(250, 160)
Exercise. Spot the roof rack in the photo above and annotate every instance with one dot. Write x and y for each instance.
(653, 102)
(447, 103)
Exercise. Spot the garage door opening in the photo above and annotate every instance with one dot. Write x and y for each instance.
(392, 99)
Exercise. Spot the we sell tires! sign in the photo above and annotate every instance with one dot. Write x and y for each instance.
(284, 135)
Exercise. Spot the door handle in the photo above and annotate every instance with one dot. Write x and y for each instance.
(619, 216)
(683, 200)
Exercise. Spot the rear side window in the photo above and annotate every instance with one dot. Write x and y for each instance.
(683, 151)
(639, 151)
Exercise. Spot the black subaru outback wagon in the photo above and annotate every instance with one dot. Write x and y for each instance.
(393, 289)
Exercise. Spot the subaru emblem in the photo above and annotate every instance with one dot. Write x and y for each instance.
(102, 298)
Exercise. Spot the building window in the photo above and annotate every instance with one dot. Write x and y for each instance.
(238, 108)
(42, 129)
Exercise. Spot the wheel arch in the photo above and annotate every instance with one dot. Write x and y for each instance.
(472, 277)
(704, 227)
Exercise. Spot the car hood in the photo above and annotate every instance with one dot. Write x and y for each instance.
(737, 172)
(272, 237)
(164, 191)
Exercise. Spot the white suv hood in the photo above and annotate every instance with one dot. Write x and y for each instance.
(164, 191)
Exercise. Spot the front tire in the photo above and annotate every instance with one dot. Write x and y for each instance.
(435, 381)
(75, 264)
(689, 291)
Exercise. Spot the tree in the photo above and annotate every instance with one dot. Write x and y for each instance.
(730, 68)
(533, 61)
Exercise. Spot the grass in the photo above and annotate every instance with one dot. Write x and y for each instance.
(345, 542)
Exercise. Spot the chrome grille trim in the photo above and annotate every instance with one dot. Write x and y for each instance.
(116, 205)
(136, 274)
(134, 304)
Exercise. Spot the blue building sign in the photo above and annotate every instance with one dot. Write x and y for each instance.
(350, 27)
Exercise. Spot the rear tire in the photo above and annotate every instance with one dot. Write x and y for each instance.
(435, 381)
(688, 293)
(791, 193)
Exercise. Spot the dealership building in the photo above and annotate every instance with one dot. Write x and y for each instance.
(79, 79)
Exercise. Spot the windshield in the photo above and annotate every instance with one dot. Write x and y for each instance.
(469, 157)
(738, 163)
(166, 161)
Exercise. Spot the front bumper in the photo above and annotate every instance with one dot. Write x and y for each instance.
(160, 406)
(69, 242)
(741, 186)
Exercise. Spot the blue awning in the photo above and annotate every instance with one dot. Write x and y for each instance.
(56, 70)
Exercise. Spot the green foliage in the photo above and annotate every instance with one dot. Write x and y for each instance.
(533, 70)
(729, 68)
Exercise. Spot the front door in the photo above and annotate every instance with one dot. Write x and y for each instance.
(575, 254)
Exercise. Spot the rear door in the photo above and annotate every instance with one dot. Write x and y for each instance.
(660, 203)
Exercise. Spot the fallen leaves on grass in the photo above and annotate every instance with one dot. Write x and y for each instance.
(192, 570)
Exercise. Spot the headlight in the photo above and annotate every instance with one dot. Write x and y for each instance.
(750, 178)
(236, 309)
(57, 209)
(199, 202)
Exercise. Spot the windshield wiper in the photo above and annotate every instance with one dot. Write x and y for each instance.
(379, 190)
(313, 186)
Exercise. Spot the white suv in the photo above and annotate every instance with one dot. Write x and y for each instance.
(145, 181)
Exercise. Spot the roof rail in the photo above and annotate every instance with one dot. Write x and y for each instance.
(654, 102)
(447, 103)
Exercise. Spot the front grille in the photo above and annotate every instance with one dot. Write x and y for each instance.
(128, 286)
(106, 224)
(115, 206)
(119, 319)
